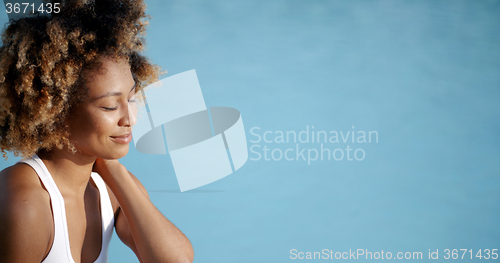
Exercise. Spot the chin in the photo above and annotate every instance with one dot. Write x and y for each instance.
(104, 151)
(119, 153)
(113, 152)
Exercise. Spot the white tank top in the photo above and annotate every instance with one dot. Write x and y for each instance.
(60, 251)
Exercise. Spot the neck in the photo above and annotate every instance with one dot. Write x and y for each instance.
(70, 171)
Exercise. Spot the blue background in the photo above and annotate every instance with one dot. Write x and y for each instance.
(423, 74)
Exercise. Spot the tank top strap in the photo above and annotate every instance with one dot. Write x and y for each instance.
(60, 250)
(107, 215)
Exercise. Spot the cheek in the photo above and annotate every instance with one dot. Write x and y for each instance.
(102, 125)
(91, 127)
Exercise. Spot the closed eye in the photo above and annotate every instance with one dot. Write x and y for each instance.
(110, 109)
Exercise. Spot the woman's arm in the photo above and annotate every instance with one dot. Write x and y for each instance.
(25, 219)
(155, 238)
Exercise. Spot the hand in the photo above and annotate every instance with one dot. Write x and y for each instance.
(108, 169)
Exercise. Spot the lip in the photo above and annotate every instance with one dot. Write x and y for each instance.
(124, 138)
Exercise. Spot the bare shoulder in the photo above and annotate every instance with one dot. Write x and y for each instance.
(21, 188)
(26, 224)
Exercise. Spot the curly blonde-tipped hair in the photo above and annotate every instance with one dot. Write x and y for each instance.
(42, 64)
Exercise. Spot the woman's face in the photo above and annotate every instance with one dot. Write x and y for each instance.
(101, 126)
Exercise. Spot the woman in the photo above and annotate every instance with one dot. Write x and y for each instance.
(68, 85)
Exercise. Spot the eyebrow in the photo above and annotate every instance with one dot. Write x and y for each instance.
(116, 93)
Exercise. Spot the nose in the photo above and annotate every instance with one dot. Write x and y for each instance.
(129, 116)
